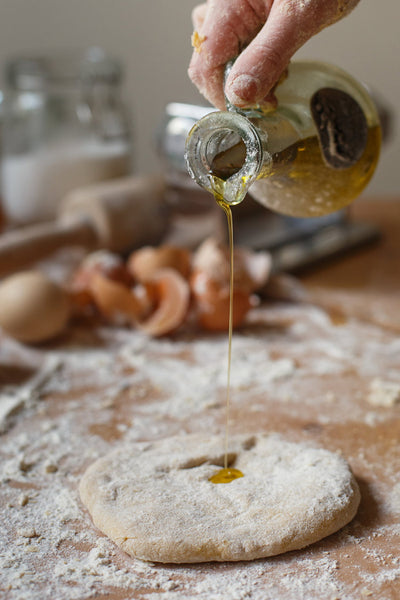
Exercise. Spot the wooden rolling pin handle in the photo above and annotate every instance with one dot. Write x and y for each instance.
(21, 247)
(117, 215)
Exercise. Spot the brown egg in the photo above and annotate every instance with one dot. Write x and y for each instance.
(32, 307)
(144, 263)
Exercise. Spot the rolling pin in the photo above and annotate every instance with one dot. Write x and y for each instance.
(117, 215)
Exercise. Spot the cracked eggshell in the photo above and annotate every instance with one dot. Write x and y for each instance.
(102, 262)
(251, 269)
(144, 263)
(212, 303)
(172, 293)
(118, 303)
(210, 283)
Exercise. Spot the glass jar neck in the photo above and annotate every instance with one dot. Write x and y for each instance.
(224, 154)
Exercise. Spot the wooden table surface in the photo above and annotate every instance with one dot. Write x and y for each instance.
(369, 275)
(297, 370)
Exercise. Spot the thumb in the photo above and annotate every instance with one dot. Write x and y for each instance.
(288, 27)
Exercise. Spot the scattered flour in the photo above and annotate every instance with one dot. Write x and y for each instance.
(384, 393)
(94, 391)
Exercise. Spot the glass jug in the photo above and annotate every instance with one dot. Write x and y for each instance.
(63, 125)
(310, 156)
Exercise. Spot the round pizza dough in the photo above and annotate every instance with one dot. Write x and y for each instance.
(156, 502)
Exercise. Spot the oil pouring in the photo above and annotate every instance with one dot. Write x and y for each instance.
(310, 156)
(227, 474)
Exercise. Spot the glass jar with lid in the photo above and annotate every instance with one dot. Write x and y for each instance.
(63, 125)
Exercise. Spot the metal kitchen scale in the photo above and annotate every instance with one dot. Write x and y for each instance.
(294, 243)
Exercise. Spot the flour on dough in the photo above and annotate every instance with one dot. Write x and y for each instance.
(156, 502)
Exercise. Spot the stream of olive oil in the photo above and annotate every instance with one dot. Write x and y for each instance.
(227, 474)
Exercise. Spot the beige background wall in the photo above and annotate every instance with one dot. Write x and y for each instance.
(152, 37)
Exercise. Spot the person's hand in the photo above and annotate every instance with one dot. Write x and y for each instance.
(270, 31)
